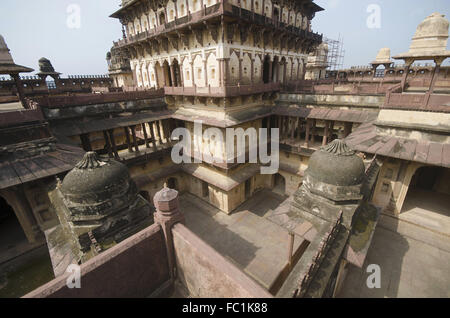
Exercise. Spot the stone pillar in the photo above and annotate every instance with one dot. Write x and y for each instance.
(226, 74)
(20, 91)
(205, 69)
(113, 143)
(251, 67)
(172, 75)
(325, 133)
(152, 135)
(313, 137)
(167, 215)
(127, 136)
(107, 144)
(270, 70)
(308, 124)
(405, 74)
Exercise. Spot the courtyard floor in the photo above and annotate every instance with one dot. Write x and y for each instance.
(414, 262)
(255, 244)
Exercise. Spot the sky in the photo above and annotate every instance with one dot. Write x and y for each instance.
(78, 46)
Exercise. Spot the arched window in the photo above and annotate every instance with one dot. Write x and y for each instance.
(188, 76)
(199, 73)
(213, 73)
(182, 9)
(171, 15)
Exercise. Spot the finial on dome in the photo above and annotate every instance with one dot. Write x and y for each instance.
(338, 147)
(90, 161)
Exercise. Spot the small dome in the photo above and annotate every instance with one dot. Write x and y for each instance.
(431, 35)
(45, 65)
(95, 181)
(435, 25)
(383, 55)
(336, 164)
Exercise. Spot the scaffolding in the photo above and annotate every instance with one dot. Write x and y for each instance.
(336, 53)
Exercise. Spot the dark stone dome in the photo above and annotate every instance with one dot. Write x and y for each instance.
(336, 164)
(95, 180)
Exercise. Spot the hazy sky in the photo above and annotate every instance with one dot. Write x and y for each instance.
(39, 28)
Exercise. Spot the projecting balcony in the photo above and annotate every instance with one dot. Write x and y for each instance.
(222, 8)
(224, 91)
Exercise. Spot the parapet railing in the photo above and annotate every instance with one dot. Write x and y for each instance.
(224, 91)
(337, 86)
(313, 266)
(101, 98)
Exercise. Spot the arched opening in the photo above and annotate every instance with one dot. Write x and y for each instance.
(248, 184)
(275, 69)
(11, 232)
(205, 189)
(266, 71)
(172, 183)
(167, 75)
(427, 201)
(276, 14)
(176, 72)
(145, 195)
(279, 185)
(162, 18)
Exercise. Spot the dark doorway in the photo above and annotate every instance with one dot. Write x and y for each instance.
(176, 71)
(276, 14)
(279, 184)
(167, 74)
(162, 18)
(266, 70)
(205, 189)
(11, 232)
(248, 188)
(425, 178)
(145, 195)
(172, 183)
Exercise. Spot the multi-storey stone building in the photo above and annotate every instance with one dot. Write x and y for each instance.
(237, 64)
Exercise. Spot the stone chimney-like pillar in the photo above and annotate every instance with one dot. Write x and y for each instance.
(167, 215)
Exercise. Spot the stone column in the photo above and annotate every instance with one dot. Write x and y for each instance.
(152, 135)
(127, 136)
(167, 215)
(113, 143)
(308, 124)
(205, 69)
(325, 133)
(270, 70)
(107, 144)
(172, 75)
(405, 74)
(20, 91)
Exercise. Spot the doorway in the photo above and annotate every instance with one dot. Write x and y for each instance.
(11, 232)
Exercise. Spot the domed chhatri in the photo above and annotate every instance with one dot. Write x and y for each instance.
(431, 34)
(430, 38)
(45, 65)
(335, 172)
(97, 198)
(336, 164)
(96, 181)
